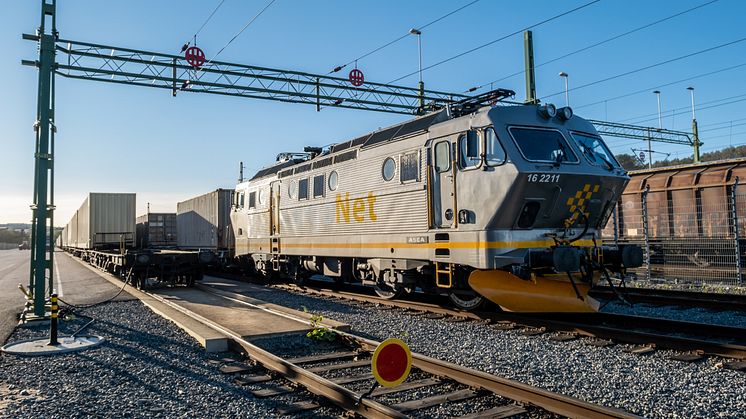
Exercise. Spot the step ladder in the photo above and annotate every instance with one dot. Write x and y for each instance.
(444, 274)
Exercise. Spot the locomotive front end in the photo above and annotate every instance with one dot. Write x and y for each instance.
(563, 186)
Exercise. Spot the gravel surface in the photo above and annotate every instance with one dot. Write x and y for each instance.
(691, 314)
(147, 367)
(649, 385)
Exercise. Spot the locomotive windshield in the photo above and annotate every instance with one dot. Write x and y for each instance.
(594, 149)
(542, 145)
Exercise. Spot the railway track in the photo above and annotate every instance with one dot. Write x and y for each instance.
(448, 382)
(695, 340)
(735, 302)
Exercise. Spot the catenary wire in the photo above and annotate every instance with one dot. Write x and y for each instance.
(599, 43)
(684, 108)
(648, 67)
(238, 34)
(459, 55)
(402, 37)
(194, 37)
(647, 90)
(698, 109)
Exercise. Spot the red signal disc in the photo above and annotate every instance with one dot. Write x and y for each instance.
(392, 362)
(195, 57)
(356, 77)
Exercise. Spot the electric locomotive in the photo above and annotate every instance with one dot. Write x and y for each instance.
(478, 202)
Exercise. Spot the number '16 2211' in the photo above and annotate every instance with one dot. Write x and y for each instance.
(543, 177)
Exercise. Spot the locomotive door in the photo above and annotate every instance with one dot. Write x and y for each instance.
(274, 215)
(444, 188)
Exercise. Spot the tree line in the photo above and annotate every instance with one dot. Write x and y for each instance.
(631, 162)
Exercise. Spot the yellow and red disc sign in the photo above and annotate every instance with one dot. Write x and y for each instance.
(392, 361)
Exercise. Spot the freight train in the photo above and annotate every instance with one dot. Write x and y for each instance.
(692, 217)
(104, 233)
(475, 201)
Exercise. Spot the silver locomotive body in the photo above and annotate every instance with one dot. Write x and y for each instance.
(473, 206)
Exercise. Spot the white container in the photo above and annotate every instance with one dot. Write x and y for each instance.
(105, 220)
(204, 222)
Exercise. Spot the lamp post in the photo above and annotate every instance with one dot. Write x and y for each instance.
(695, 130)
(567, 87)
(660, 119)
(660, 126)
(418, 33)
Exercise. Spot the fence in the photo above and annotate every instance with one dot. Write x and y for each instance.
(689, 239)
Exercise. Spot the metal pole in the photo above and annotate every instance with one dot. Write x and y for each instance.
(615, 215)
(421, 85)
(650, 151)
(567, 87)
(528, 49)
(645, 230)
(53, 320)
(660, 118)
(695, 141)
(41, 264)
(737, 245)
(695, 130)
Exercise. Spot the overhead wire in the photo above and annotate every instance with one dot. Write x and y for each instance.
(547, 20)
(684, 108)
(340, 67)
(648, 67)
(369, 90)
(647, 90)
(723, 122)
(194, 37)
(599, 43)
(238, 34)
(699, 108)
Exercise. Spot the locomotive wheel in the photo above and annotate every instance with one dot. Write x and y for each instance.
(388, 293)
(468, 301)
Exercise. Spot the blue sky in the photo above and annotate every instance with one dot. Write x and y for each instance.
(116, 138)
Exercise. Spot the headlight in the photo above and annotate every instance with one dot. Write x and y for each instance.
(565, 113)
(548, 110)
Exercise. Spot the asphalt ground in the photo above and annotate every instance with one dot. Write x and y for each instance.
(74, 283)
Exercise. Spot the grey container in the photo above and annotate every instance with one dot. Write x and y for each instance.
(105, 220)
(204, 222)
(156, 229)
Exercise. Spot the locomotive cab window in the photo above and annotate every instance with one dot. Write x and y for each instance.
(468, 150)
(252, 200)
(410, 165)
(442, 156)
(594, 150)
(303, 189)
(240, 200)
(494, 154)
(543, 145)
(318, 186)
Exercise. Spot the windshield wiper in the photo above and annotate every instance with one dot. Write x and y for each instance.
(608, 163)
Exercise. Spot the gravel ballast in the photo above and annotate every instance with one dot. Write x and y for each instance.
(650, 385)
(689, 314)
(147, 367)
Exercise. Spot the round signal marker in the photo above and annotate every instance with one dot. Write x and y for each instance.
(195, 57)
(392, 361)
(356, 77)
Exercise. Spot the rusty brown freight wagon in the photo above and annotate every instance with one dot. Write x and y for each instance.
(694, 216)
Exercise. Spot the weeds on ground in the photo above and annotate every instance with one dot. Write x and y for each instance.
(319, 331)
